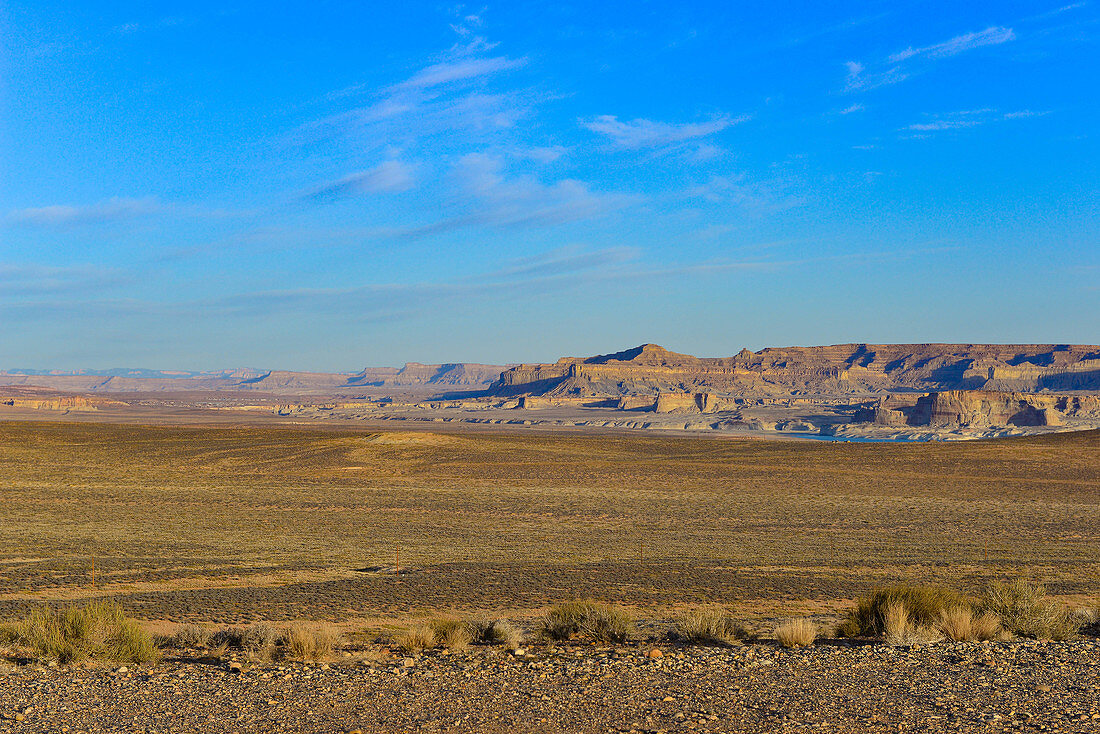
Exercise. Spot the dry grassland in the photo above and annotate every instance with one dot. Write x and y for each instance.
(234, 524)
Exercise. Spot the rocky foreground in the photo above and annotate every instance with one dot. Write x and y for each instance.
(1019, 686)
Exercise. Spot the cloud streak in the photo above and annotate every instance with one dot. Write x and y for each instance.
(964, 119)
(116, 209)
(391, 176)
(898, 67)
(642, 133)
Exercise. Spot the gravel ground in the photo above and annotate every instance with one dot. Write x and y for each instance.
(1021, 686)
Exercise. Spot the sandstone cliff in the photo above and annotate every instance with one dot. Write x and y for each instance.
(843, 369)
(979, 409)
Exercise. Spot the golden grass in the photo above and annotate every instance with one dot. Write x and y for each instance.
(310, 642)
(796, 633)
(922, 606)
(708, 626)
(95, 631)
(1025, 609)
(588, 620)
(416, 638)
(962, 624)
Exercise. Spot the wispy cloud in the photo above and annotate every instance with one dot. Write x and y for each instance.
(485, 194)
(643, 133)
(446, 72)
(34, 279)
(968, 41)
(967, 119)
(901, 65)
(387, 177)
(115, 209)
(851, 109)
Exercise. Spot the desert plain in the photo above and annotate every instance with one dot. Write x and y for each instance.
(223, 511)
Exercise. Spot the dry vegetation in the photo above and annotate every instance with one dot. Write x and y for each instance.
(98, 630)
(709, 626)
(228, 525)
(796, 633)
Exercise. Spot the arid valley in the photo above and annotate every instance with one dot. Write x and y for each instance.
(549, 367)
(368, 506)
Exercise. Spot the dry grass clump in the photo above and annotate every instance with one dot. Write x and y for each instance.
(961, 624)
(796, 633)
(709, 626)
(900, 628)
(453, 634)
(98, 630)
(590, 620)
(303, 642)
(416, 638)
(188, 637)
(1025, 610)
(458, 634)
(497, 632)
(923, 606)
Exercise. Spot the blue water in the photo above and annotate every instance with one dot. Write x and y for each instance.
(856, 439)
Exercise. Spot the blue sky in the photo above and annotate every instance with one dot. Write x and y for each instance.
(210, 185)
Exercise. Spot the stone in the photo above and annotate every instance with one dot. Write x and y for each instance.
(654, 653)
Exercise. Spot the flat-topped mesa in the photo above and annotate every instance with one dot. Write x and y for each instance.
(979, 409)
(840, 369)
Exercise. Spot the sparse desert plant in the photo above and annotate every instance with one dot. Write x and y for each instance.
(416, 638)
(796, 633)
(189, 636)
(260, 637)
(498, 632)
(962, 624)
(303, 642)
(923, 605)
(97, 630)
(591, 620)
(1025, 610)
(454, 634)
(708, 626)
(899, 628)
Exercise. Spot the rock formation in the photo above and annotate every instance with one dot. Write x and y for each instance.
(844, 369)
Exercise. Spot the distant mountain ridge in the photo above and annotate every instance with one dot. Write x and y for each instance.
(413, 374)
(840, 369)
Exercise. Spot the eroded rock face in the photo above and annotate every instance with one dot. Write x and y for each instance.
(833, 370)
(981, 408)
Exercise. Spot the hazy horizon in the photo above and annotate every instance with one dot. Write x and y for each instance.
(233, 186)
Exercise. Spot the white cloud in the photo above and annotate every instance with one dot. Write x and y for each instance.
(964, 119)
(900, 66)
(109, 210)
(387, 177)
(989, 37)
(851, 109)
(456, 70)
(642, 133)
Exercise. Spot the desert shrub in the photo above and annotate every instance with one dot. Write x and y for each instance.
(1025, 610)
(708, 626)
(416, 638)
(98, 630)
(591, 620)
(497, 632)
(189, 636)
(796, 633)
(923, 606)
(302, 642)
(899, 627)
(454, 634)
(260, 637)
(962, 624)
